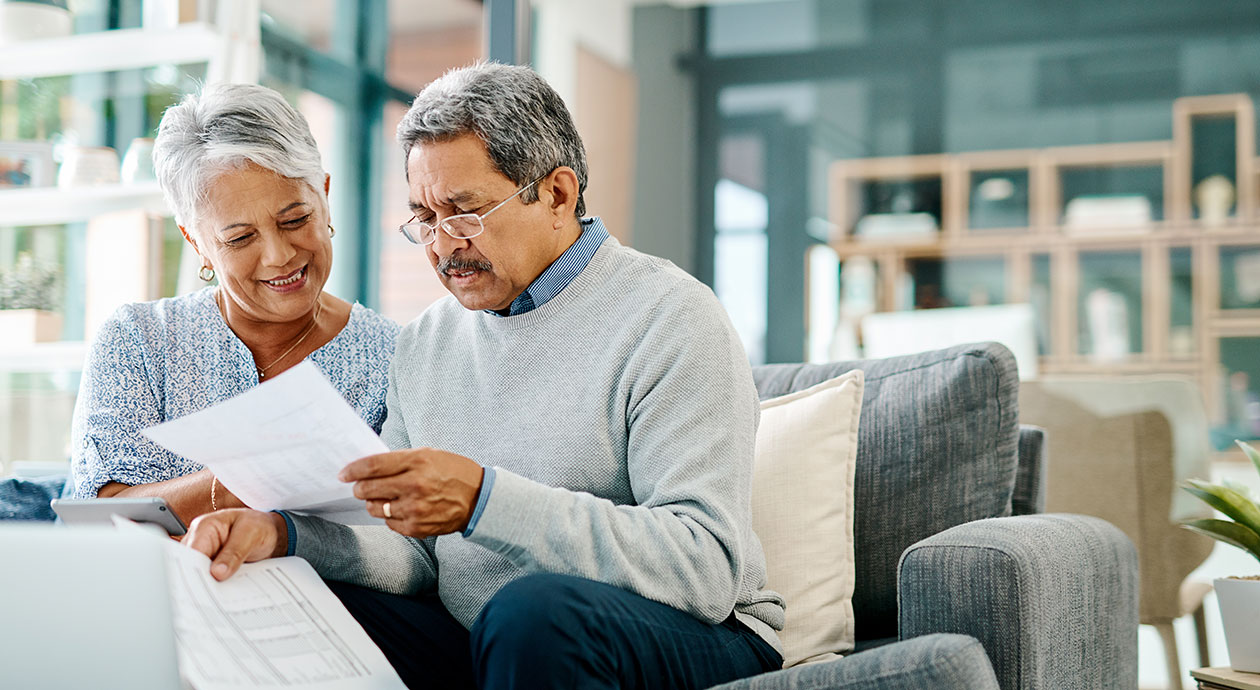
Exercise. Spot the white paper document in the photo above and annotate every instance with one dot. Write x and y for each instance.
(272, 624)
(280, 445)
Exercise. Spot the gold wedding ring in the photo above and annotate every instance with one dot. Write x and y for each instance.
(386, 509)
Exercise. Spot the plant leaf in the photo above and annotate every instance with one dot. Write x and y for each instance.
(1251, 453)
(1228, 501)
(1242, 489)
(1231, 533)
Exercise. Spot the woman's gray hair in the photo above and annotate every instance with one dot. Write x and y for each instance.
(221, 129)
(524, 123)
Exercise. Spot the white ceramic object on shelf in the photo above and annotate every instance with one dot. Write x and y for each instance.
(137, 165)
(1240, 615)
(88, 165)
(1214, 197)
(29, 20)
(1108, 211)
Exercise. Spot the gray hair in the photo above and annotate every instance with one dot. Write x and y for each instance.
(524, 123)
(221, 129)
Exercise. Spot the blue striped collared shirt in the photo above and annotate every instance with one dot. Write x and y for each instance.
(562, 271)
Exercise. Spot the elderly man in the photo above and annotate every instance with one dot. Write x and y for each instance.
(568, 499)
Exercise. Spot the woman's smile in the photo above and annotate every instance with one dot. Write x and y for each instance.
(288, 283)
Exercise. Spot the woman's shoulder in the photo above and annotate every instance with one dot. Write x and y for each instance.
(367, 338)
(366, 325)
(169, 318)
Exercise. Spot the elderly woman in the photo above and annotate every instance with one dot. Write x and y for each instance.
(241, 171)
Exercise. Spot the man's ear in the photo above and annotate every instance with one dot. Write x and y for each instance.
(561, 186)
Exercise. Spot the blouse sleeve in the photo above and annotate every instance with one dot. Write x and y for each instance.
(116, 400)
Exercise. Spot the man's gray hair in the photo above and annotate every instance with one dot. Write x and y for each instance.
(221, 129)
(524, 123)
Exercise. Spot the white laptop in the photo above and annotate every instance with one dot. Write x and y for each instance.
(84, 608)
(104, 608)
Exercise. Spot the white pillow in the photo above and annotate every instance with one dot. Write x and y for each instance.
(802, 511)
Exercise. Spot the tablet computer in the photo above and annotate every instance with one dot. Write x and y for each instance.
(99, 511)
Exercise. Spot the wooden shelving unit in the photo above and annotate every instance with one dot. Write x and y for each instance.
(1174, 226)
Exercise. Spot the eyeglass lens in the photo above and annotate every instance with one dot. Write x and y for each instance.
(460, 227)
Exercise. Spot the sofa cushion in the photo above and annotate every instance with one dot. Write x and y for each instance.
(937, 447)
(802, 511)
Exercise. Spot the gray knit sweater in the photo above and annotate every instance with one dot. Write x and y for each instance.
(620, 417)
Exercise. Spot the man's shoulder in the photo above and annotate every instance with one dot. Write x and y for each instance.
(651, 274)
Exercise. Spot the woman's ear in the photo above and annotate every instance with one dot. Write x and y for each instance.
(184, 231)
(327, 179)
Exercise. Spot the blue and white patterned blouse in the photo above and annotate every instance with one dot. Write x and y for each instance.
(154, 361)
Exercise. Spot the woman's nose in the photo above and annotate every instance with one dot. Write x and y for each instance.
(277, 249)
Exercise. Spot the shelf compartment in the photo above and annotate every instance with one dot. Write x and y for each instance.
(891, 198)
(1182, 336)
(1235, 408)
(1140, 169)
(998, 192)
(1109, 305)
(1214, 135)
(958, 280)
(1239, 271)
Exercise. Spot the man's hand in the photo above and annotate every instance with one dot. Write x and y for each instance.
(233, 537)
(429, 491)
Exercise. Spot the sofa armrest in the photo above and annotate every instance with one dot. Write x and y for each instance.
(1029, 497)
(1053, 598)
(940, 662)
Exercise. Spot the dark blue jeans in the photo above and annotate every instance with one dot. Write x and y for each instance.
(557, 631)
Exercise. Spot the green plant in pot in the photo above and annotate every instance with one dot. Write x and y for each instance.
(1239, 597)
(29, 295)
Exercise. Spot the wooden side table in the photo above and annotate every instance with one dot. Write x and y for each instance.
(1225, 678)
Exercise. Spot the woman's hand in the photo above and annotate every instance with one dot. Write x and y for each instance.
(235, 536)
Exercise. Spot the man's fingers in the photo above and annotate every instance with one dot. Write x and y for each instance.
(231, 537)
(206, 534)
(383, 489)
(373, 466)
(228, 561)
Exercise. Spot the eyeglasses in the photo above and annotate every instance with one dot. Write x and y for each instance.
(464, 226)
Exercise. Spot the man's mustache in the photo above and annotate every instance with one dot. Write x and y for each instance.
(456, 262)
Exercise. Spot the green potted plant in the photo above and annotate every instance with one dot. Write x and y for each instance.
(1238, 597)
(28, 300)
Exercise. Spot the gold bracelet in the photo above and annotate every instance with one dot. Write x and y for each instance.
(214, 481)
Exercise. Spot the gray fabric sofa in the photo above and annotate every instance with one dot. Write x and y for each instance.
(960, 582)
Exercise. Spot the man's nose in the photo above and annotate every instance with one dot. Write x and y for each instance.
(444, 244)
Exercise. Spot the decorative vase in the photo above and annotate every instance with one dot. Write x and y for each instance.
(28, 20)
(1215, 198)
(137, 165)
(1240, 613)
(27, 326)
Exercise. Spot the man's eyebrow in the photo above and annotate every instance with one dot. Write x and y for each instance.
(461, 197)
(456, 199)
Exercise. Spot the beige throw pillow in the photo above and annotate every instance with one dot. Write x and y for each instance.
(802, 511)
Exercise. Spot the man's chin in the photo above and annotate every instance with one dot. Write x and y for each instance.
(472, 301)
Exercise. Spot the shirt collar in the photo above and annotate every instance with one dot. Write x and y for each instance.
(562, 271)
